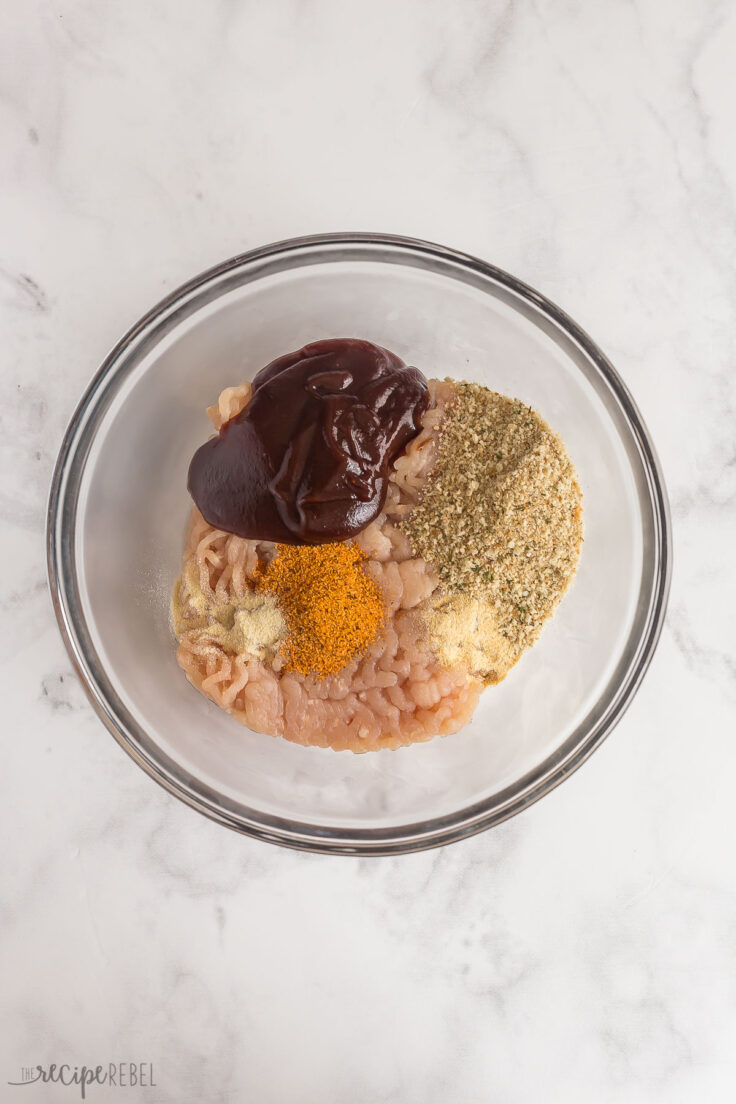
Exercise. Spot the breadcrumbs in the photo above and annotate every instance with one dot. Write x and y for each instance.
(500, 516)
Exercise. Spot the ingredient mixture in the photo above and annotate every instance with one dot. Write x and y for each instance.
(459, 524)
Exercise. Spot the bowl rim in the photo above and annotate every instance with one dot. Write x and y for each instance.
(61, 560)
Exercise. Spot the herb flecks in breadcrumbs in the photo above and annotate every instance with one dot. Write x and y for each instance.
(500, 516)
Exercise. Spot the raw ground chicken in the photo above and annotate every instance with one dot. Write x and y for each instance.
(397, 692)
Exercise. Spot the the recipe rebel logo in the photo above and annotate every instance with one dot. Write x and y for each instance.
(118, 1075)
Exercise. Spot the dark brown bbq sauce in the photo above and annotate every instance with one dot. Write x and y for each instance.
(307, 460)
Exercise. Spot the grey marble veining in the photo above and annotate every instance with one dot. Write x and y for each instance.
(585, 951)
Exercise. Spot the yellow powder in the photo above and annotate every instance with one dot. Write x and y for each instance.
(252, 624)
(463, 632)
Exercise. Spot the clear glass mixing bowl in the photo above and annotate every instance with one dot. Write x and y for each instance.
(119, 506)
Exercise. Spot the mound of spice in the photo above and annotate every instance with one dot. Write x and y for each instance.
(333, 609)
(463, 631)
(500, 516)
(251, 624)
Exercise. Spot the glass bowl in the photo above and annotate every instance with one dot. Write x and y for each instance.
(119, 506)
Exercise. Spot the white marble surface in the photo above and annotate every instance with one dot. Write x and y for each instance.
(585, 951)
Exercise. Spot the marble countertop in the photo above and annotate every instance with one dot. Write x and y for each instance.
(584, 951)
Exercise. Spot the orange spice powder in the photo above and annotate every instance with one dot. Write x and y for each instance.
(333, 609)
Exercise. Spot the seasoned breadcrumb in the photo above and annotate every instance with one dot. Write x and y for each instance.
(500, 516)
